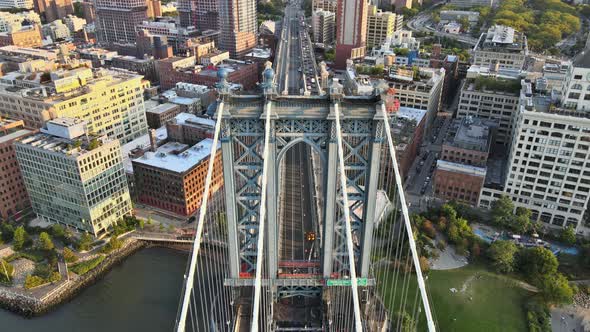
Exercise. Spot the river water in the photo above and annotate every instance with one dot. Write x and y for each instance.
(140, 294)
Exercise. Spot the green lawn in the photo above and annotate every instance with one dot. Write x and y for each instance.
(496, 303)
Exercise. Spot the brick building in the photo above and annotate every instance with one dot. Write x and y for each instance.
(161, 114)
(173, 177)
(461, 171)
(189, 128)
(177, 69)
(13, 196)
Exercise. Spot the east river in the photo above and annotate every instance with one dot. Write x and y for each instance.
(140, 294)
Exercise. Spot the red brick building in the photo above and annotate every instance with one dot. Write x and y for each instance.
(173, 177)
(177, 69)
(13, 194)
(461, 171)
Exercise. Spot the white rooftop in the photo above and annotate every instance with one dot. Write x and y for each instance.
(142, 142)
(177, 157)
(184, 118)
(161, 108)
(411, 113)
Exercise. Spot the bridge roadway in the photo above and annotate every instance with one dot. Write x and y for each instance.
(296, 69)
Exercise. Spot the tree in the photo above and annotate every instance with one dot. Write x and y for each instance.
(69, 256)
(568, 235)
(7, 231)
(406, 321)
(85, 242)
(58, 231)
(521, 222)
(555, 289)
(424, 264)
(44, 242)
(464, 21)
(140, 223)
(502, 255)
(20, 237)
(428, 229)
(537, 262)
(502, 210)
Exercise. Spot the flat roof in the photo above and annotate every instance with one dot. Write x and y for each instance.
(161, 108)
(142, 142)
(188, 118)
(177, 157)
(461, 168)
(183, 100)
(11, 135)
(411, 113)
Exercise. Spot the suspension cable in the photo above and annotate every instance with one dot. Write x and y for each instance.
(261, 223)
(189, 281)
(406, 215)
(349, 244)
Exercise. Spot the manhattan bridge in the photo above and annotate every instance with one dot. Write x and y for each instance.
(310, 231)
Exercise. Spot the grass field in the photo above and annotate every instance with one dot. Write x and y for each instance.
(484, 301)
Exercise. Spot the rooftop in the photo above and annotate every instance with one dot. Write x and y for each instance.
(582, 60)
(493, 85)
(161, 108)
(501, 38)
(177, 157)
(461, 168)
(411, 113)
(191, 119)
(69, 147)
(141, 143)
(471, 134)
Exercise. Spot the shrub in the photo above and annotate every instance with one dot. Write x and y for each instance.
(69, 256)
(33, 281)
(85, 242)
(6, 271)
(114, 244)
(84, 267)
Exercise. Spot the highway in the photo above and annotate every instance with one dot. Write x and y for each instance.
(295, 66)
(296, 217)
(422, 23)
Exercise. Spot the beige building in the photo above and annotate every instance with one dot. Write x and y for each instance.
(380, 26)
(111, 101)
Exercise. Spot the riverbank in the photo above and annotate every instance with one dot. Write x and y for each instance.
(36, 302)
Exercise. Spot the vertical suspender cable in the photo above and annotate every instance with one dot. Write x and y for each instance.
(261, 224)
(189, 282)
(346, 207)
(406, 215)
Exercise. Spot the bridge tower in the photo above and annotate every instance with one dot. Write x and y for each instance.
(309, 120)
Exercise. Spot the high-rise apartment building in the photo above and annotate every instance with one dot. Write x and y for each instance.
(351, 31)
(116, 19)
(13, 196)
(73, 178)
(323, 24)
(111, 101)
(503, 46)
(491, 94)
(549, 163)
(89, 11)
(238, 26)
(380, 26)
(202, 14)
(53, 10)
